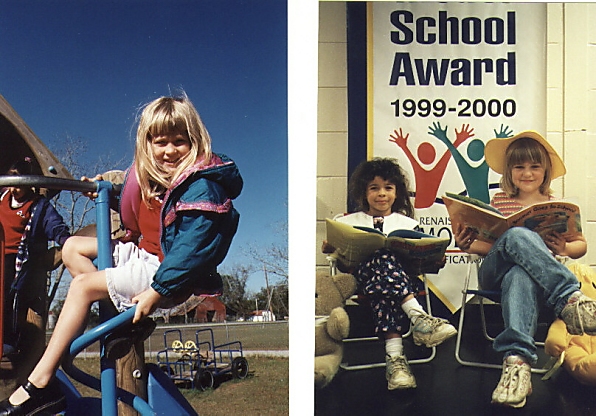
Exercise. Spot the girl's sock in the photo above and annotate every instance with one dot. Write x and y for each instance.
(19, 396)
(413, 309)
(574, 297)
(394, 347)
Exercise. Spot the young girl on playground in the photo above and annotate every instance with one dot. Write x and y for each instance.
(380, 190)
(29, 221)
(522, 265)
(177, 188)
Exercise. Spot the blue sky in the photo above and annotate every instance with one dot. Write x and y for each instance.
(82, 68)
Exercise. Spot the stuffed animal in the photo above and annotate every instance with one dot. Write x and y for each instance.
(332, 323)
(580, 350)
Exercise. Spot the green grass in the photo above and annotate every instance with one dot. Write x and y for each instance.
(253, 336)
(265, 391)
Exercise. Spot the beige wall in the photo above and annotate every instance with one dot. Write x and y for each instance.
(571, 80)
(332, 143)
(571, 110)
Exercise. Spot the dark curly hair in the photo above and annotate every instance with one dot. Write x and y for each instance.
(389, 170)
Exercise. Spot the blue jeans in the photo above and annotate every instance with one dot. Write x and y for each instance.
(520, 265)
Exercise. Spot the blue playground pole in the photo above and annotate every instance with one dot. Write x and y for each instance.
(164, 399)
(109, 403)
(102, 206)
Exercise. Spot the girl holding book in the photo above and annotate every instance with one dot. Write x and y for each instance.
(380, 190)
(522, 265)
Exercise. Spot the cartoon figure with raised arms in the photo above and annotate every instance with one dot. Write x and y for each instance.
(425, 195)
(475, 177)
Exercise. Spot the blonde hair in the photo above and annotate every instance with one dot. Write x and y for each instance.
(166, 115)
(521, 151)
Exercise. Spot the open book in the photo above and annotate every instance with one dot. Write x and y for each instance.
(489, 223)
(418, 252)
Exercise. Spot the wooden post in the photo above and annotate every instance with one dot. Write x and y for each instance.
(15, 374)
(131, 376)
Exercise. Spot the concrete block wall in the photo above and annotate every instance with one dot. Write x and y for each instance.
(332, 135)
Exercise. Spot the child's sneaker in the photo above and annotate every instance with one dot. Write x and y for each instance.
(580, 314)
(515, 384)
(398, 373)
(431, 331)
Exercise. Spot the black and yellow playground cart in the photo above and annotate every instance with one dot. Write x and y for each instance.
(200, 362)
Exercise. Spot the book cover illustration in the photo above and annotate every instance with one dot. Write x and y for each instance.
(560, 216)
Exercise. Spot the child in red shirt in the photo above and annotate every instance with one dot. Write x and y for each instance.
(29, 222)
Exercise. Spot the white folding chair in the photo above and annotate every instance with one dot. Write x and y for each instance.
(346, 366)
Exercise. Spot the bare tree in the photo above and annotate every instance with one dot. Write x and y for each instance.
(76, 209)
(274, 258)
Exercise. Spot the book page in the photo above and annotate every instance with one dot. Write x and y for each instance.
(419, 255)
(354, 245)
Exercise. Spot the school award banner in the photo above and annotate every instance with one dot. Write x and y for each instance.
(443, 79)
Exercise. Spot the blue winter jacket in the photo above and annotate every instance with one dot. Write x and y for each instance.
(198, 224)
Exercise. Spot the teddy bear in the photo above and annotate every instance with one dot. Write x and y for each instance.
(580, 350)
(332, 323)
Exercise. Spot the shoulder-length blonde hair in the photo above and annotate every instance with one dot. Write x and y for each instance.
(521, 151)
(162, 116)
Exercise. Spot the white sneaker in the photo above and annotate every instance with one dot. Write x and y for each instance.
(515, 384)
(579, 314)
(398, 373)
(431, 331)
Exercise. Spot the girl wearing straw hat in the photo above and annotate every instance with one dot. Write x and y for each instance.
(522, 265)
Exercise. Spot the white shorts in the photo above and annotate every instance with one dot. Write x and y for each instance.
(132, 274)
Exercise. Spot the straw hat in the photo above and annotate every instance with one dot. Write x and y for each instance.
(494, 152)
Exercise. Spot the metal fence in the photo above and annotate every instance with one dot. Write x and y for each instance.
(256, 337)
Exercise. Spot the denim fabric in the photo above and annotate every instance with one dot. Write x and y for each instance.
(528, 275)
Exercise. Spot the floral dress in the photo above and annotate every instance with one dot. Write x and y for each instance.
(381, 277)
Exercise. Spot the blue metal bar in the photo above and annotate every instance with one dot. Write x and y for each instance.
(109, 398)
(88, 338)
(109, 390)
(102, 206)
(107, 384)
(109, 403)
(100, 331)
(142, 406)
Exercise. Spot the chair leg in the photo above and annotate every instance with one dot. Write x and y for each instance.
(458, 341)
(480, 364)
(460, 329)
(483, 321)
(430, 357)
(487, 336)
(433, 350)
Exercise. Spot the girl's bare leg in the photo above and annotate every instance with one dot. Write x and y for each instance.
(78, 254)
(84, 290)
